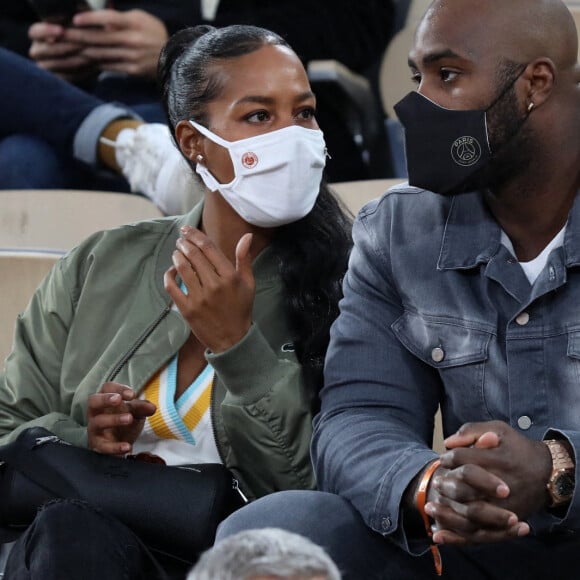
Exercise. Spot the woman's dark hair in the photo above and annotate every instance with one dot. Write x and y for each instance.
(313, 256)
(185, 73)
(312, 252)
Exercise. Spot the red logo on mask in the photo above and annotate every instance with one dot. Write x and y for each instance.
(249, 160)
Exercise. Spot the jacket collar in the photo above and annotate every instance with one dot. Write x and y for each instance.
(472, 236)
(572, 236)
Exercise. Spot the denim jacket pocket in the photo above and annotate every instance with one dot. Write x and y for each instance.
(457, 351)
(442, 343)
(574, 344)
(570, 374)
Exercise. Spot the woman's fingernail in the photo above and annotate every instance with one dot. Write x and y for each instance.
(502, 490)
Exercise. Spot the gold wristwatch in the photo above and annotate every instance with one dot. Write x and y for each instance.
(562, 480)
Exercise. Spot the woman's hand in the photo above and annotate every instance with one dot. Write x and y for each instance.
(115, 418)
(220, 296)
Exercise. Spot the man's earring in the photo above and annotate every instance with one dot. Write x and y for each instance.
(199, 159)
(530, 107)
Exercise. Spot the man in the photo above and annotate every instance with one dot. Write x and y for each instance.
(463, 293)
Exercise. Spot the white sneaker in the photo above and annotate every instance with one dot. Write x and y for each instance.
(152, 164)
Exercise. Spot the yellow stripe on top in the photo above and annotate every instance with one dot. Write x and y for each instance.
(156, 421)
(198, 410)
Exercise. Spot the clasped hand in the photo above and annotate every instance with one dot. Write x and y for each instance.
(490, 480)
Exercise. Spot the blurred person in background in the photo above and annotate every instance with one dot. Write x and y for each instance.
(111, 52)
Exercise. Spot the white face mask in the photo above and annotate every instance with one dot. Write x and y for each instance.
(277, 174)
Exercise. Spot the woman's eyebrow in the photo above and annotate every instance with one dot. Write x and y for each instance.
(264, 100)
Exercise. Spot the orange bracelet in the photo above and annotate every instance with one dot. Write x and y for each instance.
(421, 501)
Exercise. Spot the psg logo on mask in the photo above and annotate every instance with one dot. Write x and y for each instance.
(249, 160)
(466, 151)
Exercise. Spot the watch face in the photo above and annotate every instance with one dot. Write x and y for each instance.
(564, 485)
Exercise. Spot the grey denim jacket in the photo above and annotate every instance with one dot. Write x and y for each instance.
(436, 311)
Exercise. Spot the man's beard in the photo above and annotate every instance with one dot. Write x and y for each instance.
(513, 145)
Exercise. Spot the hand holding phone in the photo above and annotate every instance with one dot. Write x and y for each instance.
(51, 49)
(107, 40)
(59, 11)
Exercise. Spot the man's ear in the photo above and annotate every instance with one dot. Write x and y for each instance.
(189, 140)
(540, 75)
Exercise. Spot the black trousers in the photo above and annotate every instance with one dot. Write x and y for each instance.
(70, 540)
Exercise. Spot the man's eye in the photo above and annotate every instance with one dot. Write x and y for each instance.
(448, 75)
(416, 77)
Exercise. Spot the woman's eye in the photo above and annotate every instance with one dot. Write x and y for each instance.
(258, 117)
(307, 114)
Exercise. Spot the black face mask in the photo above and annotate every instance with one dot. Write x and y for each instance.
(446, 149)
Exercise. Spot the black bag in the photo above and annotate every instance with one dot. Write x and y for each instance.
(174, 510)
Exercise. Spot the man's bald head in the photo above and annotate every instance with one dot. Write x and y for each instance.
(515, 30)
(517, 61)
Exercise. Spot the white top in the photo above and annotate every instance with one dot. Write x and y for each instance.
(181, 430)
(533, 268)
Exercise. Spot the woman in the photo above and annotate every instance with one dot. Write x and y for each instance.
(222, 314)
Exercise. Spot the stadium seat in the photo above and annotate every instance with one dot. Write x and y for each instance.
(354, 194)
(20, 274)
(394, 83)
(38, 226)
(60, 219)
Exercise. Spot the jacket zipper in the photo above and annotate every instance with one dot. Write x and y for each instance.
(117, 368)
(236, 487)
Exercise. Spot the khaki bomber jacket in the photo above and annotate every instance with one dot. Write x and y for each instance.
(102, 314)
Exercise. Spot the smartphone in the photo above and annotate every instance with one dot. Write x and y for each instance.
(59, 11)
